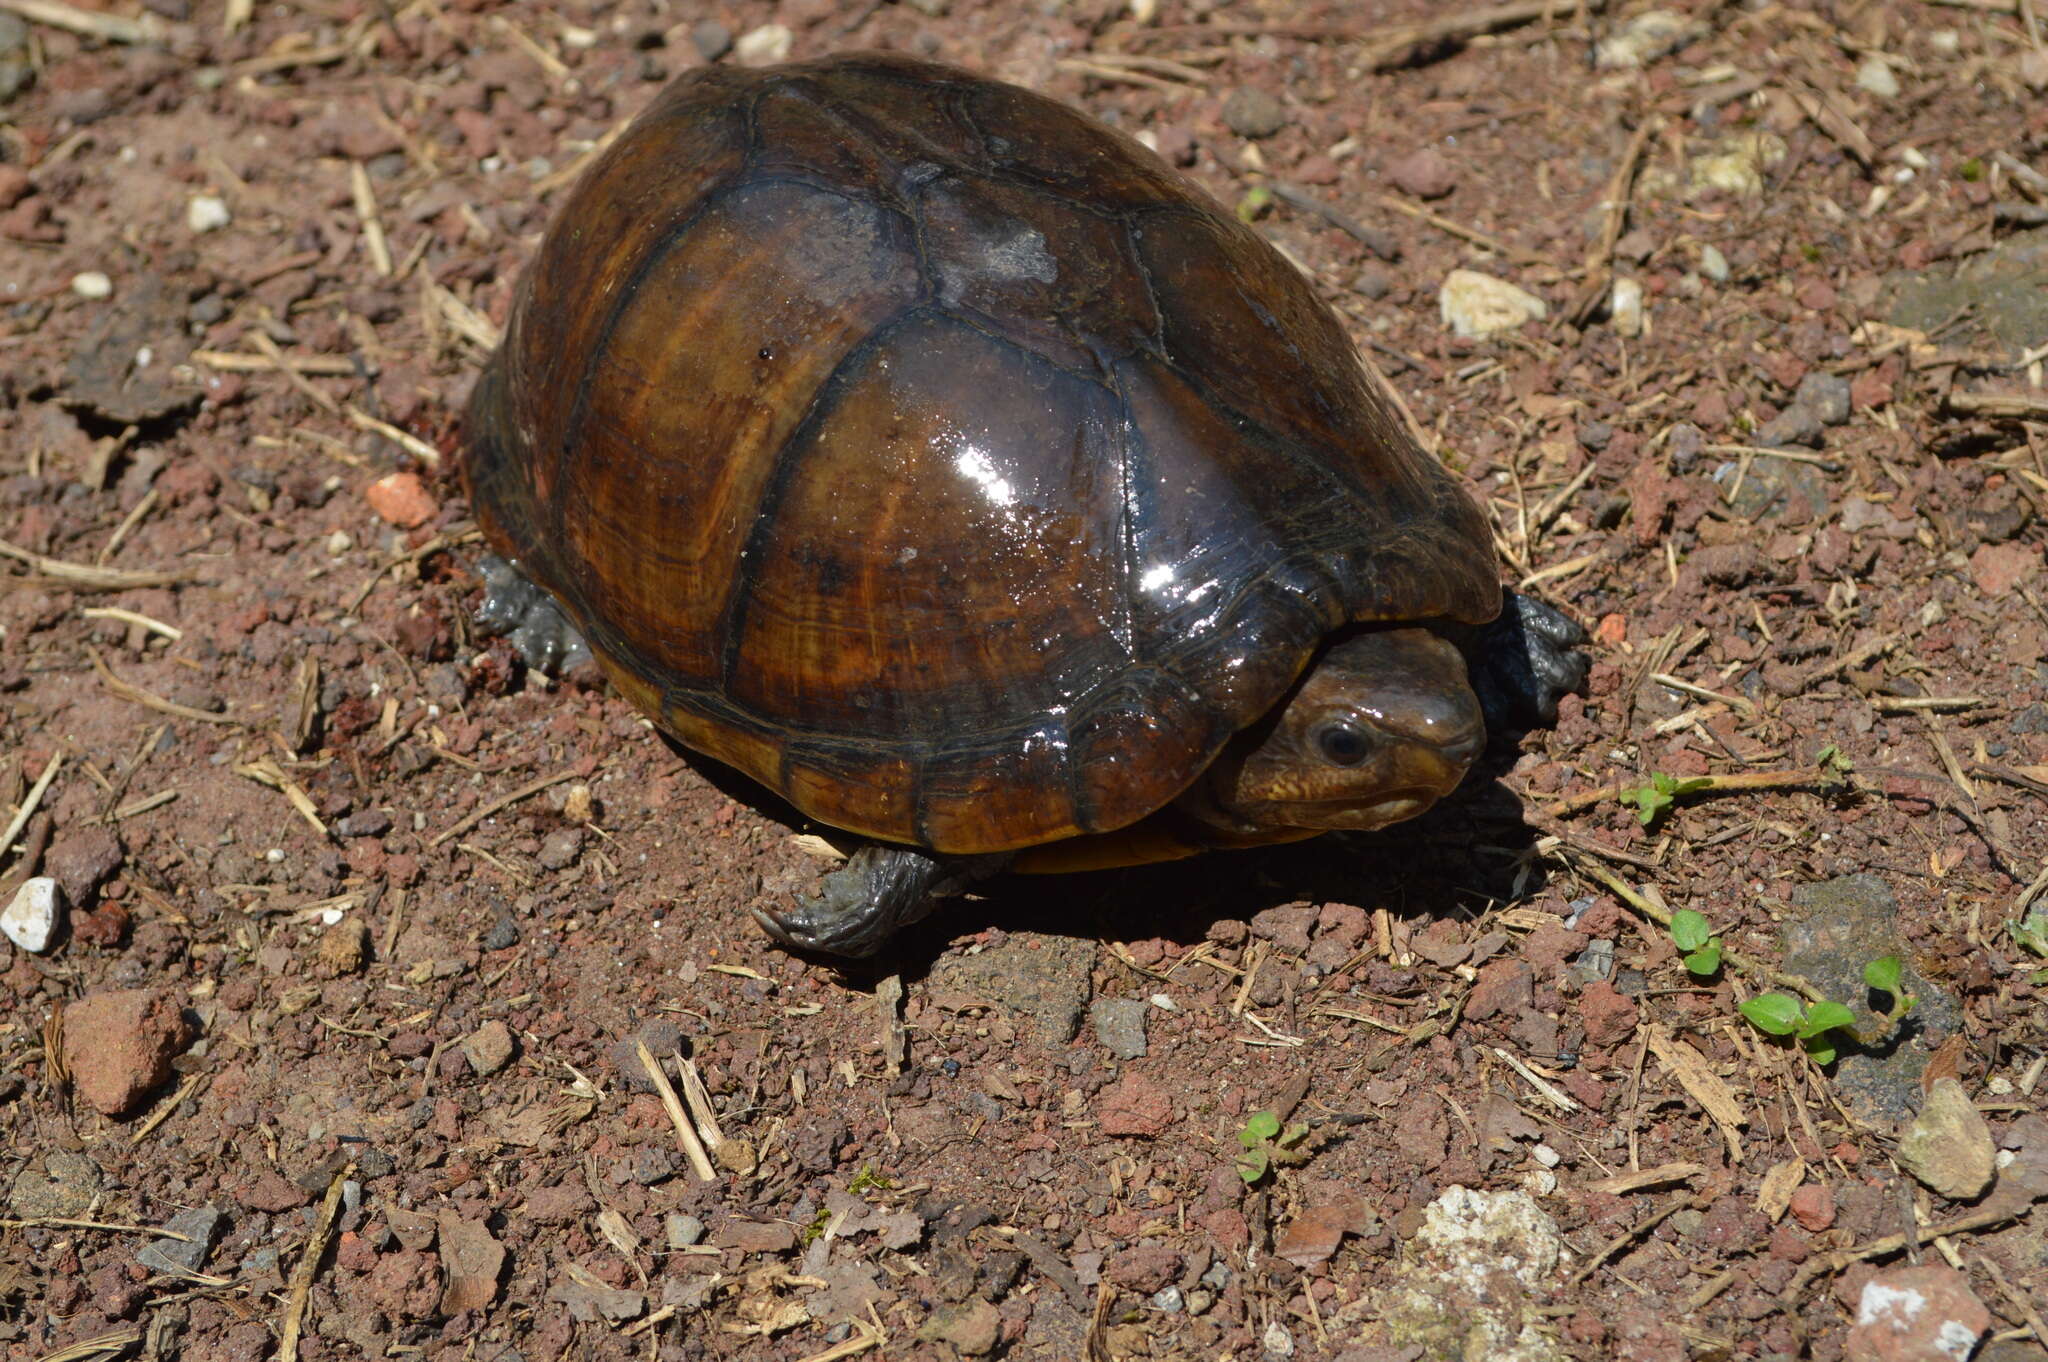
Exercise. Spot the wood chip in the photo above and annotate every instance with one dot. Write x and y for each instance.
(90, 576)
(889, 1013)
(404, 439)
(1774, 1197)
(302, 705)
(686, 1134)
(1642, 1178)
(135, 694)
(28, 805)
(144, 29)
(235, 362)
(1698, 1078)
(365, 198)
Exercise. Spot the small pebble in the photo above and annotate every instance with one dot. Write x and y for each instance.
(1875, 75)
(1254, 113)
(30, 921)
(205, 213)
(489, 1048)
(92, 284)
(711, 39)
(1120, 1026)
(1168, 1300)
(683, 1230)
(764, 45)
(1625, 308)
(402, 500)
(1474, 304)
(1713, 264)
(1424, 173)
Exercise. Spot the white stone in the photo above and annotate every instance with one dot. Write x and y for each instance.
(1875, 75)
(206, 213)
(764, 45)
(92, 284)
(1643, 39)
(1713, 264)
(1625, 308)
(1474, 304)
(1470, 1233)
(30, 921)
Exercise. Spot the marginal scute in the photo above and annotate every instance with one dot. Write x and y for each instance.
(941, 459)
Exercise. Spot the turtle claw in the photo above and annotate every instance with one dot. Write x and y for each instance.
(863, 903)
(1529, 659)
(529, 619)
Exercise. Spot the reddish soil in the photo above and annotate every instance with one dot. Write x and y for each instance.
(401, 1009)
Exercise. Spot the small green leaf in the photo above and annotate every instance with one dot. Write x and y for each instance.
(1883, 973)
(1776, 1013)
(2032, 933)
(1251, 1165)
(1972, 169)
(1690, 930)
(2038, 977)
(1259, 1127)
(1706, 959)
(1257, 201)
(1821, 1048)
(1293, 1135)
(1825, 1017)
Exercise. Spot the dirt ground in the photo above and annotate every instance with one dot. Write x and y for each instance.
(364, 929)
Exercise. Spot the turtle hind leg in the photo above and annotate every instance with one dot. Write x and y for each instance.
(880, 889)
(1527, 660)
(529, 619)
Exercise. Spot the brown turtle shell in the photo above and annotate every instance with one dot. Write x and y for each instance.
(940, 458)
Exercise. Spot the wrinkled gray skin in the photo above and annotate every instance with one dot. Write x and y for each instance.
(1520, 666)
(529, 619)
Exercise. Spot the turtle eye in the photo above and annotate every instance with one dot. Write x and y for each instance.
(1342, 745)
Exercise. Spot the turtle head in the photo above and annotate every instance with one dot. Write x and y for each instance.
(1382, 725)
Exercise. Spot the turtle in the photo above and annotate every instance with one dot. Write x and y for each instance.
(942, 460)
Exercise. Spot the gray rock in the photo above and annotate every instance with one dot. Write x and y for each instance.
(1798, 424)
(1844, 924)
(1254, 113)
(2003, 290)
(64, 1187)
(15, 68)
(683, 1230)
(1826, 395)
(199, 1225)
(1120, 1025)
(1948, 1147)
(1773, 487)
(711, 39)
(1047, 978)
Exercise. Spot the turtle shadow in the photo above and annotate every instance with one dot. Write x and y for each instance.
(1471, 850)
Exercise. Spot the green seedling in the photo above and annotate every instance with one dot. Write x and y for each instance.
(1695, 938)
(1884, 974)
(1781, 1014)
(867, 1179)
(1660, 794)
(1266, 1143)
(1256, 203)
(2031, 932)
(1814, 1025)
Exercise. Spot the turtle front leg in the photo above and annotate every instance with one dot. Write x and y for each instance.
(529, 619)
(879, 889)
(1527, 660)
